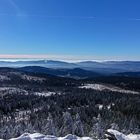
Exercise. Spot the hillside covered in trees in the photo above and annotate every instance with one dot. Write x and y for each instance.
(50, 105)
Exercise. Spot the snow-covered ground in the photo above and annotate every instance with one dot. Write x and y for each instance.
(13, 90)
(102, 87)
(4, 78)
(46, 94)
(120, 136)
(32, 78)
(37, 136)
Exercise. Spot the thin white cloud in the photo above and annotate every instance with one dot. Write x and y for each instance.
(68, 58)
(43, 56)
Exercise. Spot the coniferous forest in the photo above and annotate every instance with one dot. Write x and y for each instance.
(51, 105)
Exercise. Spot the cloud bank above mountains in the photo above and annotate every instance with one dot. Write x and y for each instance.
(68, 58)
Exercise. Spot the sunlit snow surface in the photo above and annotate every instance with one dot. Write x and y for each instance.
(13, 90)
(120, 136)
(38, 136)
(102, 87)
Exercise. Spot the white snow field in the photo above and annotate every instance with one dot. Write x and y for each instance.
(102, 87)
(120, 136)
(38, 136)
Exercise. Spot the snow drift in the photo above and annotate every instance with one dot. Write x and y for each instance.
(38, 136)
(111, 135)
(119, 136)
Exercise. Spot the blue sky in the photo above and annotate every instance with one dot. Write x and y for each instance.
(77, 29)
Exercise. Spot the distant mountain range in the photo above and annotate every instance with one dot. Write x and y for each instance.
(76, 73)
(105, 67)
(41, 75)
(70, 73)
(129, 74)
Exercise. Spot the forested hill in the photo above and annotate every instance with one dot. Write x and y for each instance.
(50, 105)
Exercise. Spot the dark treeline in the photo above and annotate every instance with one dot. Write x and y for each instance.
(126, 82)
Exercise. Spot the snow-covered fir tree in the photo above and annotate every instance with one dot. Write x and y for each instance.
(97, 129)
(115, 126)
(78, 126)
(67, 127)
(50, 127)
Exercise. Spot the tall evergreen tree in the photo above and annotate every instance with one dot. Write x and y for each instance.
(78, 126)
(67, 127)
(50, 127)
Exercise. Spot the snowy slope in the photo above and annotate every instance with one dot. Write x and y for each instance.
(38, 136)
(102, 87)
(120, 136)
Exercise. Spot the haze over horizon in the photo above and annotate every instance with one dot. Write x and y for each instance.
(65, 58)
(72, 30)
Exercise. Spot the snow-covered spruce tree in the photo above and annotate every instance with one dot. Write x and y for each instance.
(92, 132)
(133, 126)
(67, 127)
(78, 126)
(115, 126)
(38, 125)
(97, 129)
(17, 130)
(5, 132)
(50, 127)
(29, 128)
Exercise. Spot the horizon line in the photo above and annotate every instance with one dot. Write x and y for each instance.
(66, 58)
